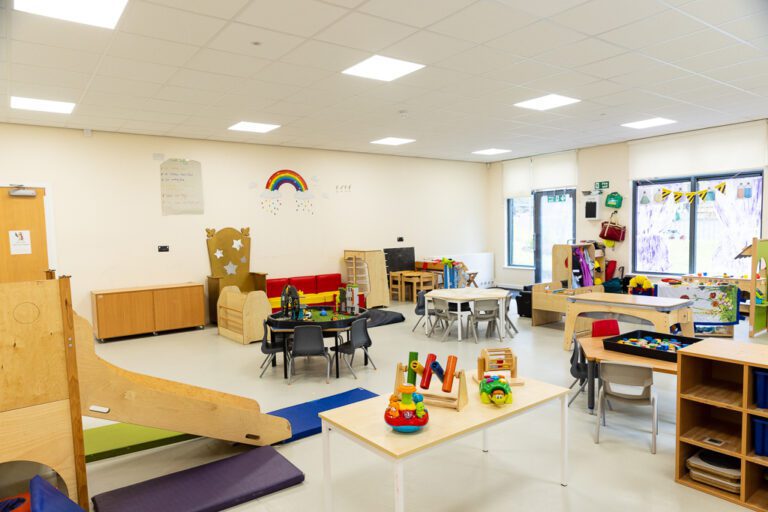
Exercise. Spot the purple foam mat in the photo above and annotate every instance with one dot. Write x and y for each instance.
(208, 488)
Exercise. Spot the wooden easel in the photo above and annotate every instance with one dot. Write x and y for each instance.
(40, 417)
(454, 400)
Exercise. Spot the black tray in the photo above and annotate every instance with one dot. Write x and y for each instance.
(612, 344)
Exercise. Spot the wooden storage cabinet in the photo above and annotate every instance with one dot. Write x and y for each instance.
(150, 309)
(716, 399)
(377, 294)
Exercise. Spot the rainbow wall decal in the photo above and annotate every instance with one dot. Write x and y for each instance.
(288, 177)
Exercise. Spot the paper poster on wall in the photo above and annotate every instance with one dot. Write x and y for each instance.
(21, 242)
(181, 187)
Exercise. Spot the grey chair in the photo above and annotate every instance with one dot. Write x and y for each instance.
(358, 339)
(485, 311)
(579, 370)
(640, 378)
(308, 341)
(443, 314)
(507, 320)
(421, 310)
(270, 348)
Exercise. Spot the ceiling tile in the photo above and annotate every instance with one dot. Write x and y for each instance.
(48, 76)
(748, 27)
(350, 4)
(282, 73)
(740, 71)
(326, 56)
(479, 60)
(49, 92)
(659, 27)
(522, 72)
(433, 77)
(688, 46)
(619, 65)
(264, 90)
(239, 38)
(94, 122)
(49, 56)
(722, 57)
(170, 24)
(426, 48)
(475, 86)
(347, 84)
(580, 53)
(114, 85)
(219, 9)
(136, 70)
(717, 12)
(225, 63)
(57, 33)
(186, 95)
(552, 84)
(136, 47)
(536, 38)
(543, 9)
(598, 16)
(365, 32)
(299, 17)
(483, 21)
(659, 72)
(203, 80)
(592, 89)
(418, 14)
(291, 109)
(313, 97)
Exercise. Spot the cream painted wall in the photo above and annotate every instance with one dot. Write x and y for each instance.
(106, 201)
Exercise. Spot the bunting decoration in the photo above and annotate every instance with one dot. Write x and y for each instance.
(703, 195)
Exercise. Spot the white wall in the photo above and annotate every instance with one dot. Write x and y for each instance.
(106, 199)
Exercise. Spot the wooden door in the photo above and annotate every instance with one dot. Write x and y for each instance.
(23, 246)
(178, 308)
(124, 314)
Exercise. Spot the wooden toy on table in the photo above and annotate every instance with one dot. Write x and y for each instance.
(497, 361)
(445, 397)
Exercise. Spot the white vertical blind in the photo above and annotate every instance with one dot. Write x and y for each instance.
(523, 175)
(725, 148)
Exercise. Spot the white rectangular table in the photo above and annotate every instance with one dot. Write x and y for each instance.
(458, 296)
(363, 422)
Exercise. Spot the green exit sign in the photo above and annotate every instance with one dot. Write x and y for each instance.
(602, 185)
(559, 198)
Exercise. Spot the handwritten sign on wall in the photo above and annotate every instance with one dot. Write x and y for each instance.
(181, 187)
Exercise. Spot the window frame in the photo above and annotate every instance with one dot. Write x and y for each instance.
(511, 234)
(694, 182)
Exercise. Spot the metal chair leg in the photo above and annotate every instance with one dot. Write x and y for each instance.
(266, 359)
(290, 371)
(417, 323)
(350, 367)
(327, 368)
(654, 424)
(265, 366)
(579, 391)
(447, 330)
(369, 358)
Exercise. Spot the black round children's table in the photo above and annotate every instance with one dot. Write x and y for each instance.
(332, 323)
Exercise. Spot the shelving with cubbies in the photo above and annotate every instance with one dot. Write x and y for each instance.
(716, 405)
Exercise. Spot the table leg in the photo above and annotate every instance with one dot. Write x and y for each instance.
(399, 490)
(485, 440)
(502, 320)
(285, 356)
(426, 313)
(458, 315)
(564, 440)
(327, 486)
(591, 367)
(336, 344)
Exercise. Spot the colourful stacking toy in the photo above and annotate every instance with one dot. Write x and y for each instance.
(662, 344)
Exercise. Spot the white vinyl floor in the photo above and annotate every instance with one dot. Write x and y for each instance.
(519, 473)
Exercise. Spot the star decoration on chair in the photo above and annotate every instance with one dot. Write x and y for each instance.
(219, 254)
(237, 244)
(230, 268)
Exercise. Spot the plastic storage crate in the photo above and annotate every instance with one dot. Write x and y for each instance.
(760, 436)
(761, 388)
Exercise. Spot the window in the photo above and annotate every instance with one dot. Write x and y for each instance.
(699, 236)
(520, 226)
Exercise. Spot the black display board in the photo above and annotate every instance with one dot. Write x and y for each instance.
(400, 258)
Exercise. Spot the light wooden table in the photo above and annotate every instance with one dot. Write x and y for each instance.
(363, 422)
(459, 296)
(595, 353)
(662, 312)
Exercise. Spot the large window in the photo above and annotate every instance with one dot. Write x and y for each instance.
(520, 225)
(702, 235)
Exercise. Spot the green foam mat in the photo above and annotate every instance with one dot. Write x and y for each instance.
(122, 438)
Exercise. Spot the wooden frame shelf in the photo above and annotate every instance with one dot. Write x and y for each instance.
(715, 398)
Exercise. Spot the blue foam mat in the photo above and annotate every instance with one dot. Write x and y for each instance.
(304, 417)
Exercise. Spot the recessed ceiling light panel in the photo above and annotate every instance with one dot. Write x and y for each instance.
(649, 123)
(382, 68)
(547, 102)
(246, 126)
(99, 13)
(491, 151)
(392, 141)
(55, 107)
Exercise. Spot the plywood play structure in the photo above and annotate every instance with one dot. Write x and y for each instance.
(241, 315)
(229, 253)
(758, 306)
(41, 418)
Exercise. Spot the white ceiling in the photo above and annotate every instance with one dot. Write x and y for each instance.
(187, 68)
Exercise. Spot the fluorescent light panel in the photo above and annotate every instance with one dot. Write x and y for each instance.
(392, 141)
(382, 68)
(246, 126)
(99, 13)
(56, 107)
(649, 123)
(547, 102)
(491, 151)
